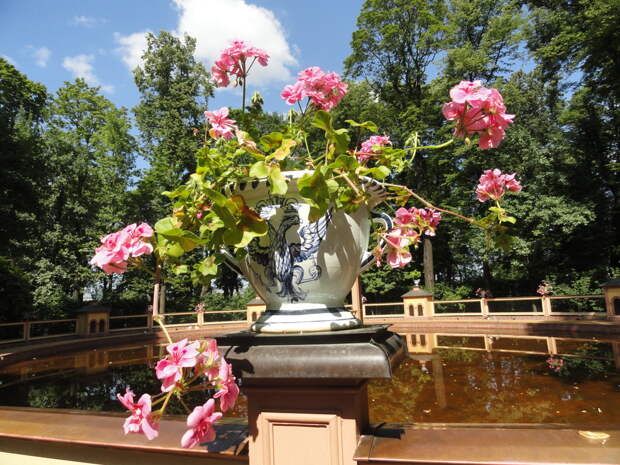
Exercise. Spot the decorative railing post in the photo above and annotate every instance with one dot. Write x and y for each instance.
(546, 305)
(357, 304)
(484, 307)
(27, 331)
(611, 289)
(254, 309)
(417, 302)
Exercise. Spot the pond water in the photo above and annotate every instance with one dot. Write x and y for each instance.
(446, 378)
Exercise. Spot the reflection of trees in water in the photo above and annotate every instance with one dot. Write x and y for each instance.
(458, 355)
(98, 391)
(502, 388)
(585, 364)
(89, 392)
(395, 400)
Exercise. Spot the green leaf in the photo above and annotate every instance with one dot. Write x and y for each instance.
(207, 267)
(271, 141)
(168, 227)
(346, 162)
(278, 185)
(315, 190)
(259, 169)
(379, 172)
(219, 198)
(341, 139)
(284, 150)
(323, 120)
(180, 269)
(366, 125)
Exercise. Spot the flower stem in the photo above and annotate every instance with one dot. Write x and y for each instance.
(163, 327)
(430, 205)
(166, 400)
(431, 147)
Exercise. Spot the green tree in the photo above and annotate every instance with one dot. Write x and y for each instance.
(173, 88)
(576, 46)
(88, 168)
(398, 48)
(22, 110)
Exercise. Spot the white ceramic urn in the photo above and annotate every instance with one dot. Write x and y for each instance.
(303, 271)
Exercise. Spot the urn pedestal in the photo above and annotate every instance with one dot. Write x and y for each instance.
(307, 394)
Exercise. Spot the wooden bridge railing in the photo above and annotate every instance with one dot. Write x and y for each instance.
(582, 306)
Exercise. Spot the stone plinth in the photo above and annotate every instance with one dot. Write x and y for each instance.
(307, 393)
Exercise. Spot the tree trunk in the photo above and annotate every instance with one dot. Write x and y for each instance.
(487, 274)
(429, 271)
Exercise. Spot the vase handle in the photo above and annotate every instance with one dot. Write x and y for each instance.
(230, 261)
(377, 218)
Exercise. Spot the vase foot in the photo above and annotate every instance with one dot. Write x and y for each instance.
(303, 321)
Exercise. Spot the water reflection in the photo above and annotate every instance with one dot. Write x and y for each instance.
(501, 379)
(446, 378)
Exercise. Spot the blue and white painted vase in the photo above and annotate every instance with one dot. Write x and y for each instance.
(303, 271)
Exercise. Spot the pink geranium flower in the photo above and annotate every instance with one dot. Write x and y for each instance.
(478, 110)
(221, 125)
(140, 420)
(372, 147)
(424, 220)
(170, 369)
(228, 389)
(398, 258)
(200, 423)
(468, 91)
(118, 247)
(208, 360)
(493, 185)
(236, 61)
(324, 90)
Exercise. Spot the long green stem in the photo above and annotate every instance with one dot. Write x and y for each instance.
(430, 205)
(163, 327)
(431, 147)
(163, 407)
(243, 99)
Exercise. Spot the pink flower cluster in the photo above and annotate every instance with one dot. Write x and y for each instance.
(411, 224)
(185, 363)
(493, 185)
(118, 247)
(325, 90)
(368, 147)
(544, 288)
(478, 110)
(221, 125)
(555, 364)
(233, 61)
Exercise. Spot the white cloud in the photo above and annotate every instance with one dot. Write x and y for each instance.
(214, 24)
(87, 21)
(131, 48)
(81, 67)
(41, 56)
(10, 60)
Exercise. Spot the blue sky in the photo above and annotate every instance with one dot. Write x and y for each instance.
(57, 40)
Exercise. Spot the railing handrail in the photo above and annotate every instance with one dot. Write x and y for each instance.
(50, 321)
(384, 304)
(587, 296)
